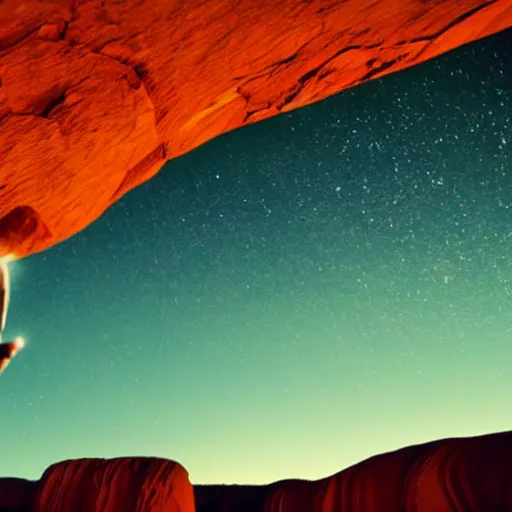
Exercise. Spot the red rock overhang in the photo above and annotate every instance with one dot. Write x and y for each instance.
(95, 96)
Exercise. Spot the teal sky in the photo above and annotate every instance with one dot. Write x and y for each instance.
(289, 298)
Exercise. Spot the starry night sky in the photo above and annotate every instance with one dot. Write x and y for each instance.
(289, 298)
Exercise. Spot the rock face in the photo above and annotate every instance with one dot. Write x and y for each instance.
(96, 95)
(16, 494)
(140, 484)
(451, 475)
(129, 484)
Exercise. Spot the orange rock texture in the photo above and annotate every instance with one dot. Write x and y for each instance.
(451, 475)
(127, 484)
(136, 484)
(95, 95)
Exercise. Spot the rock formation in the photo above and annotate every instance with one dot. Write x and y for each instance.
(16, 494)
(96, 95)
(451, 475)
(140, 484)
(129, 484)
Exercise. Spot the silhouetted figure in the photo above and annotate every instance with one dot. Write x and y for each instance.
(10, 348)
(4, 295)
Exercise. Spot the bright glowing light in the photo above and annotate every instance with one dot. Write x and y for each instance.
(7, 259)
(4, 293)
(19, 342)
(17, 269)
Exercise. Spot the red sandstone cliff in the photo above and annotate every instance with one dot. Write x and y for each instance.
(128, 484)
(96, 95)
(451, 475)
(136, 484)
